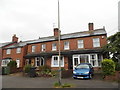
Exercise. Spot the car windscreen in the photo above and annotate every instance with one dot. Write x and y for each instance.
(83, 66)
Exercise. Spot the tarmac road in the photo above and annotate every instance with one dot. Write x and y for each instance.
(11, 81)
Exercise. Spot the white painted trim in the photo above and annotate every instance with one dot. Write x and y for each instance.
(52, 61)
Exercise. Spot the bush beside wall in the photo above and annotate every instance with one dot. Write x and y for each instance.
(108, 67)
(13, 66)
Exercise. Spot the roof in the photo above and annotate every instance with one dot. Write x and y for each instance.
(63, 36)
(71, 35)
(20, 44)
(5, 44)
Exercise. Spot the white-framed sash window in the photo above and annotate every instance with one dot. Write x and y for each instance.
(96, 42)
(80, 44)
(43, 47)
(55, 61)
(8, 51)
(54, 47)
(18, 50)
(33, 48)
(66, 45)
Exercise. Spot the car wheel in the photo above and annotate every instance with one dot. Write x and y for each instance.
(90, 76)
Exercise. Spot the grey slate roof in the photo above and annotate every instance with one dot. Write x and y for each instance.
(5, 44)
(64, 36)
(71, 35)
(20, 44)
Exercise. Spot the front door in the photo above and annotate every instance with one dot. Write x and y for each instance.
(76, 61)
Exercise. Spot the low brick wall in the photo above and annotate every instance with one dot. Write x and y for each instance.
(113, 77)
(67, 73)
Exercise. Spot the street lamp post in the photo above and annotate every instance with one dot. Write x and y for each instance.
(59, 32)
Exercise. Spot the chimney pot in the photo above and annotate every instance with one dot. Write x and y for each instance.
(56, 32)
(14, 38)
(91, 26)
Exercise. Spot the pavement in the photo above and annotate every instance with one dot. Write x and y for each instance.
(18, 81)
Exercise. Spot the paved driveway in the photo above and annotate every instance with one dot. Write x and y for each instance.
(39, 82)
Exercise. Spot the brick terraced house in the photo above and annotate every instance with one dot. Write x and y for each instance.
(75, 48)
(4, 61)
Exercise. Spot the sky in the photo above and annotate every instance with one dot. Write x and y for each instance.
(31, 19)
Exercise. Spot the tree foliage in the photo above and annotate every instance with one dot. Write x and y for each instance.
(113, 46)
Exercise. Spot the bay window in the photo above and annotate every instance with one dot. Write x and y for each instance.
(55, 61)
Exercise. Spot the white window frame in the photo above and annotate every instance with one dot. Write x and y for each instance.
(33, 48)
(8, 51)
(80, 44)
(18, 50)
(18, 63)
(43, 47)
(5, 62)
(95, 60)
(39, 59)
(66, 45)
(96, 42)
(52, 61)
(89, 59)
(54, 46)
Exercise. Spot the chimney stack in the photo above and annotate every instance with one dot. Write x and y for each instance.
(14, 38)
(91, 26)
(56, 32)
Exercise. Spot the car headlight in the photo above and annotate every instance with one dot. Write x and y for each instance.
(74, 72)
(86, 73)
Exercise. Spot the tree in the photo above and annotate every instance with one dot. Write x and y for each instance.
(113, 47)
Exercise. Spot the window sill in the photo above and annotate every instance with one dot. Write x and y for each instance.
(57, 66)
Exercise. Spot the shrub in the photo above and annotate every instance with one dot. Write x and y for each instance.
(27, 68)
(13, 66)
(108, 67)
(44, 68)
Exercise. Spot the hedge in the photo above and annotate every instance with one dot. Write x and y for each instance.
(108, 67)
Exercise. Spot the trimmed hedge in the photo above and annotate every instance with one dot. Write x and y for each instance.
(108, 67)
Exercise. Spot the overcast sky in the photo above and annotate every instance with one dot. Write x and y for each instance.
(31, 19)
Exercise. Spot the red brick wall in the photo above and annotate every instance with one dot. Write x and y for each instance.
(48, 62)
(1, 51)
(15, 55)
(88, 44)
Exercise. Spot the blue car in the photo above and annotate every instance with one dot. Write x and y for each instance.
(83, 71)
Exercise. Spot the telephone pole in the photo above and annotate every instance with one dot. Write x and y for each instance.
(59, 33)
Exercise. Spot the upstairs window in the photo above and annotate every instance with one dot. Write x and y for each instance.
(96, 42)
(8, 51)
(80, 44)
(33, 48)
(43, 47)
(18, 50)
(54, 47)
(66, 45)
